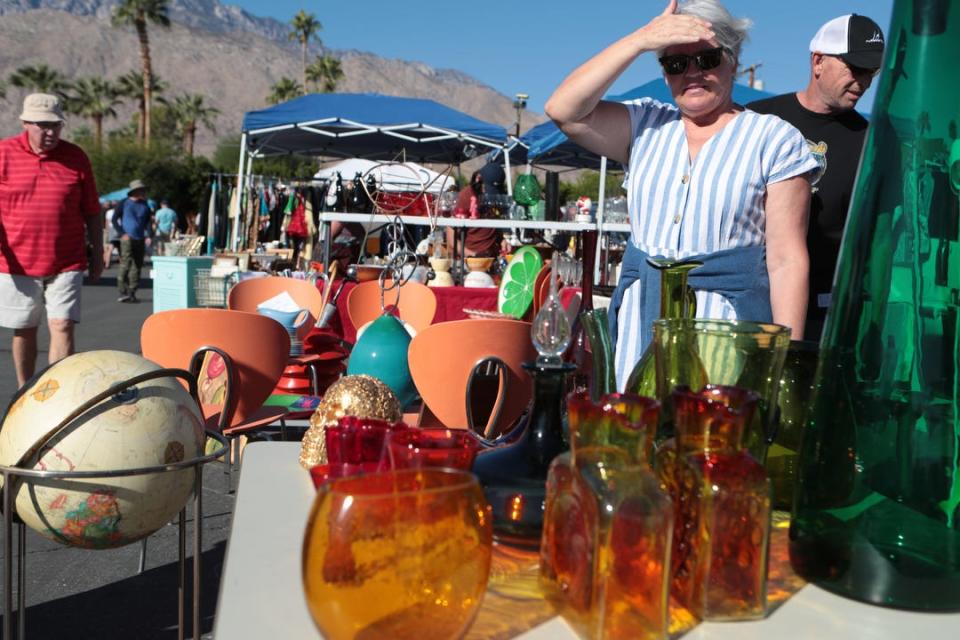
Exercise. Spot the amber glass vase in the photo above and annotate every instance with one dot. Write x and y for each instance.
(401, 554)
(722, 528)
(604, 555)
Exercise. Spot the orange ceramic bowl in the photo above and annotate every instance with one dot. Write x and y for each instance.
(479, 264)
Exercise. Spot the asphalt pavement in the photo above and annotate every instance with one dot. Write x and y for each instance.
(99, 595)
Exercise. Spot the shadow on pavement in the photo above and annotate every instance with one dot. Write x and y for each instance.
(143, 606)
(111, 281)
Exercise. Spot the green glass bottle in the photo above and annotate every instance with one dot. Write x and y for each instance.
(677, 300)
(876, 513)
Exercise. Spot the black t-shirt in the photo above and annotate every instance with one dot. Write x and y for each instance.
(837, 141)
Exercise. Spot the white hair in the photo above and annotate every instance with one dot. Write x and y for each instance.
(730, 32)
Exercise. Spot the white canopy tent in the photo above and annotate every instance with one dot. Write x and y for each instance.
(391, 176)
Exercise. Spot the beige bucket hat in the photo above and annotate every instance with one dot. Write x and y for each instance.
(42, 107)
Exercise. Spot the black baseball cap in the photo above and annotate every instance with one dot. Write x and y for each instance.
(494, 178)
(853, 38)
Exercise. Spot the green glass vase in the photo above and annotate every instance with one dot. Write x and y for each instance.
(677, 300)
(877, 510)
(603, 379)
(750, 355)
(793, 401)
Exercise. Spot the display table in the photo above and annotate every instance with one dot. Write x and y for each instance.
(261, 595)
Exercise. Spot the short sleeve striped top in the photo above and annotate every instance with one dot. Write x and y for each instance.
(678, 209)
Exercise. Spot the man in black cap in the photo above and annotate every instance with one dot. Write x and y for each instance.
(845, 55)
(494, 178)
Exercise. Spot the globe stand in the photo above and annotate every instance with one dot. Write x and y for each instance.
(13, 473)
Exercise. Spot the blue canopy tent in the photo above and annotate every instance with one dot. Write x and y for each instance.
(370, 126)
(119, 194)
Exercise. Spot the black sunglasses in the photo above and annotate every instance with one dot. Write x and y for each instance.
(707, 59)
(854, 69)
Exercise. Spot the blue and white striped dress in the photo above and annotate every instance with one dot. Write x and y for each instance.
(679, 210)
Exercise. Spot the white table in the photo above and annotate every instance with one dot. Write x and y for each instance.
(261, 594)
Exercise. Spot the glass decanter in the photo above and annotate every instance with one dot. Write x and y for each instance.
(877, 510)
(604, 556)
(677, 300)
(514, 476)
(722, 498)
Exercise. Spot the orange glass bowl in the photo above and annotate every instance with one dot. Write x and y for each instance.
(402, 554)
(325, 472)
(415, 448)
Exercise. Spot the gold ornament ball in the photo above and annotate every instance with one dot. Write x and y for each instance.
(360, 395)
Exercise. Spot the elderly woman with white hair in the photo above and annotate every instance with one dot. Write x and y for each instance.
(707, 180)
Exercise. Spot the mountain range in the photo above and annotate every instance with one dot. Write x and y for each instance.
(218, 50)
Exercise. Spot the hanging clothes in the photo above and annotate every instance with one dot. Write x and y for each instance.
(210, 225)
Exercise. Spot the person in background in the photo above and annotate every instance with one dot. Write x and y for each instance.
(707, 179)
(480, 241)
(165, 226)
(845, 56)
(112, 240)
(136, 225)
(49, 212)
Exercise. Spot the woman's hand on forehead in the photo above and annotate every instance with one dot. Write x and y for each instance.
(670, 28)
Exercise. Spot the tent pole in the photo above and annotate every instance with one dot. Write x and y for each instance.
(241, 182)
(506, 165)
(601, 198)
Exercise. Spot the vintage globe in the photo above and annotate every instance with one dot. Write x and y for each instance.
(156, 422)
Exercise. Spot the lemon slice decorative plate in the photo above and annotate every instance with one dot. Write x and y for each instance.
(516, 287)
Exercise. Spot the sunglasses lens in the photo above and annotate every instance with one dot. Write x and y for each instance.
(674, 65)
(705, 60)
(709, 59)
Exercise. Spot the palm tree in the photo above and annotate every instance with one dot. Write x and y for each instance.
(130, 85)
(304, 28)
(39, 78)
(325, 72)
(284, 89)
(93, 98)
(189, 112)
(138, 13)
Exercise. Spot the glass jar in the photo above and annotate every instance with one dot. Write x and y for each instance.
(722, 497)
(607, 524)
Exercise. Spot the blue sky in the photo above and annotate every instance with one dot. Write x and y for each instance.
(529, 47)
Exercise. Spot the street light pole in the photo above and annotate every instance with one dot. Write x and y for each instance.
(520, 103)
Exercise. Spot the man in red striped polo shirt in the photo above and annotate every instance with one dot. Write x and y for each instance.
(49, 211)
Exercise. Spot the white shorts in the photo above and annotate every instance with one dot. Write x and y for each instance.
(23, 298)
